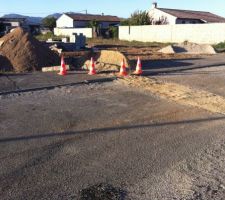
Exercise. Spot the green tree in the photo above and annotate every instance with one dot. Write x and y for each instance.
(49, 22)
(95, 27)
(140, 18)
(93, 24)
(125, 22)
(113, 32)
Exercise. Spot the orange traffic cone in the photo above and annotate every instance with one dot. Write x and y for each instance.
(138, 70)
(63, 67)
(92, 67)
(123, 71)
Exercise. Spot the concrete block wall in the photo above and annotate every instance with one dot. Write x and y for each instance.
(70, 31)
(197, 33)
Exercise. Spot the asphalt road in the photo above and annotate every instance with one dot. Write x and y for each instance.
(100, 140)
(106, 141)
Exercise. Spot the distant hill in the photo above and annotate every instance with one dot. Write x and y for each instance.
(35, 20)
(31, 20)
(55, 15)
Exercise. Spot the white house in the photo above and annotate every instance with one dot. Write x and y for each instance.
(175, 16)
(82, 20)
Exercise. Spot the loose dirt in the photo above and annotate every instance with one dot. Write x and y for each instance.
(179, 93)
(25, 53)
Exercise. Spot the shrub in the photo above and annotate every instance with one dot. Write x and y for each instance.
(113, 31)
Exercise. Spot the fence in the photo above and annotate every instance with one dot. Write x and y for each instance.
(197, 33)
(69, 31)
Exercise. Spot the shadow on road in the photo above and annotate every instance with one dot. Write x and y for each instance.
(167, 66)
(171, 63)
(105, 130)
(160, 71)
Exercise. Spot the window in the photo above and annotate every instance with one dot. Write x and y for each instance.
(183, 22)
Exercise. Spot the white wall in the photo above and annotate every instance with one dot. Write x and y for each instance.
(197, 33)
(69, 31)
(64, 21)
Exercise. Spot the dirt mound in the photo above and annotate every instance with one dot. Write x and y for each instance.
(188, 48)
(105, 60)
(25, 53)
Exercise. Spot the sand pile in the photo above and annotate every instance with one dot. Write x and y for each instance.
(25, 53)
(105, 60)
(188, 48)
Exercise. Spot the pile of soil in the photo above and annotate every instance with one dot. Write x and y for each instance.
(25, 53)
(105, 60)
(189, 48)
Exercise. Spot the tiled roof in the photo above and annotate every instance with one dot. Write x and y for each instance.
(189, 14)
(88, 17)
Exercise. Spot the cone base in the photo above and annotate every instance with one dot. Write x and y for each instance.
(62, 73)
(139, 72)
(123, 74)
(92, 73)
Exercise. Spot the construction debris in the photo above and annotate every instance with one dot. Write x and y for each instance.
(75, 42)
(188, 48)
(25, 53)
(56, 49)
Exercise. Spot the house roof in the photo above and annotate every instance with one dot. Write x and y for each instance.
(88, 17)
(190, 14)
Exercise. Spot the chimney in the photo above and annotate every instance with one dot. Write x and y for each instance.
(103, 14)
(154, 5)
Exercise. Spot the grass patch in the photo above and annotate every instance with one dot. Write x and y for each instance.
(220, 46)
(45, 37)
(100, 41)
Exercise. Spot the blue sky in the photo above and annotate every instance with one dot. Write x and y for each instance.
(121, 8)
